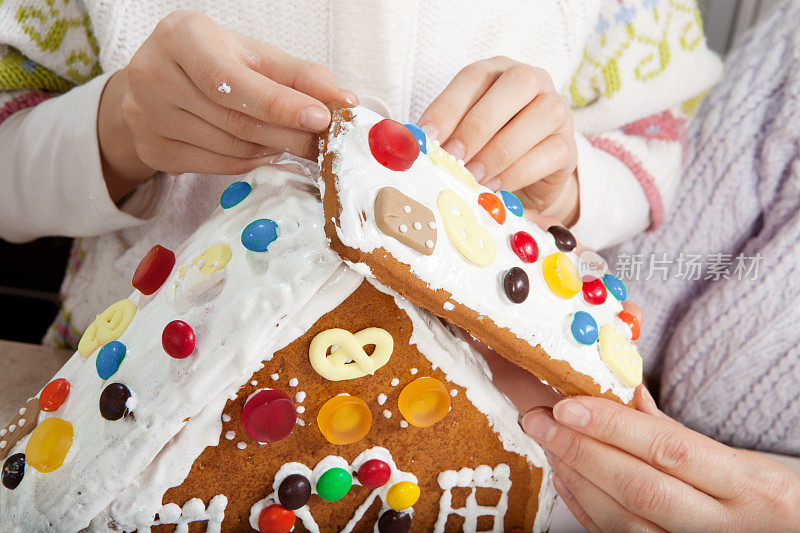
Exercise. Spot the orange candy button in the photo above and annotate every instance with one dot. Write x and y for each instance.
(493, 205)
(344, 419)
(561, 275)
(49, 444)
(424, 401)
(632, 321)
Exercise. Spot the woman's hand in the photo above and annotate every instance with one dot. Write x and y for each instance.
(620, 469)
(513, 131)
(198, 98)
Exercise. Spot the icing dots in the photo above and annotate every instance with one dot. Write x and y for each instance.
(234, 194)
(621, 356)
(107, 327)
(54, 394)
(424, 402)
(334, 484)
(419, 135)
(269, 416)
(49, 444)
(513, 204)
(405, 219)
(469, 237)
(344, 419)
(349, 360)
(259, 234)
(493, 206)
(615, 287)
(584, 328)
(153, 270)
(109, 359)
(178, 339)
(561, 275)
(393, 145)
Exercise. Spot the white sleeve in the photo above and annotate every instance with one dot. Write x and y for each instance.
(51, 179)
(613, 206)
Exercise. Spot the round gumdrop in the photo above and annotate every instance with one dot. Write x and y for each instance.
(524, 246)
(632, 321)
(259, 234)
(109, 358)
(594, 291)
(269, 416)
(276, 519)
(48, 444)
(114, 401)
(616, 287)
(374, 473)
(294, 491)
(153, 270)
(493, 205)
(565, 240)
(393, 145)
(54, 394)
(419, 135)
(561, 275)
(392, 521)
(513, 203)
(13, 471)
(235, 193)
(334, 484)
(516, 285)
(344, 419)
(177, 339)
(424, 401)
(402, 495)
(584, 328)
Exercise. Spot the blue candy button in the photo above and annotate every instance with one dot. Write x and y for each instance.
(512, 202)
(258, 235)
(419, 135)
(109, 358)
(584, 328)
(615, 287)
(235, 193)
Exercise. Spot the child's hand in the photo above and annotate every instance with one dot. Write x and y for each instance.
(514, 131)
(198, 98)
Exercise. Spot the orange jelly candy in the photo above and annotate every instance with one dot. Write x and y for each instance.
(493, 205)
(561, 275)
(344, 419)
(49, 444)
(632, 321)
(424, 401)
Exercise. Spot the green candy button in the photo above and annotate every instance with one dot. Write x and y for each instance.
(334, 484)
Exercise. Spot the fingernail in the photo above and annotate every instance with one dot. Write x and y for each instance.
(350, 98)
(430, 131)
(539, 425)
(477, 169)
(571, 413)
(560, 487)
(314, 118)
(647, 397)
(493, 184)
(455, 148)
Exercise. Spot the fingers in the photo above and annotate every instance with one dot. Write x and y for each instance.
(177, 157)
(635, 485)
(658, 441)
(190, 129)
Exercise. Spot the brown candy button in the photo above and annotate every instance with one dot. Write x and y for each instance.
(22, 424)
(405, 219)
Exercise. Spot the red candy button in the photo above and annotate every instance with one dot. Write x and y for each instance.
(493, 205)
(269, 416)
(153, 270)
(178, 339)
(594, 290)
(525, 247)
(374, 473)
(632, 320)
(392, 145)
(276, 519)
(54, 394)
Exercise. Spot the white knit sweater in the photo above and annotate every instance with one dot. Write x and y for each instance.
(616, 62)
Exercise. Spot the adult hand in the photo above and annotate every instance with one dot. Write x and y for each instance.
(198, 98)
(513, 130)
(620, 469)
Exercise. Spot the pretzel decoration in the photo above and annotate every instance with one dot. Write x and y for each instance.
(108, 326)
(349, 360)
(22, 424)
(469, 237)
(453, 166)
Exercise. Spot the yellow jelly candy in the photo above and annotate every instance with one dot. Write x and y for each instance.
(469, 237)
(561, 275)
(107, 326)
(402, 495)
(424, 401)
(48, 444)
(344, 419)
(446, 161)
(620, 355)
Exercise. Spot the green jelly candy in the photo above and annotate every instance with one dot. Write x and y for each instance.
(334, 484)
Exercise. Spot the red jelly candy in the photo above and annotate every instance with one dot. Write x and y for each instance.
(374, 473)
(594, 290)
(392, 145)
(632, 321)
(276, 519)
(153, 270)
(493, 205)
(269, 416)
(54, 394)
(178, 339)
(525, 247)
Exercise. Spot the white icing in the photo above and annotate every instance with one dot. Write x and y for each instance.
(253, 382)
(241, 445)
(300, 396)
(293, 382)
(403, 424)
(230, 434)
(301, 409)
(381, 399)
(387, 413)
(226, 417)
(537, 320)
(274, 377)
(448, 306)
(395, 382)
(483, 476)
(454, 393)
(413, 371)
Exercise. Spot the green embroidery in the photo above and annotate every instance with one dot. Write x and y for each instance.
(19, 73)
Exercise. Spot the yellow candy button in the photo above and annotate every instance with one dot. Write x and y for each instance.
(424, 401)
(620, 355)
(344, 419)
(107, 326)
(402, 495)
(561, 275)
(49, 444)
